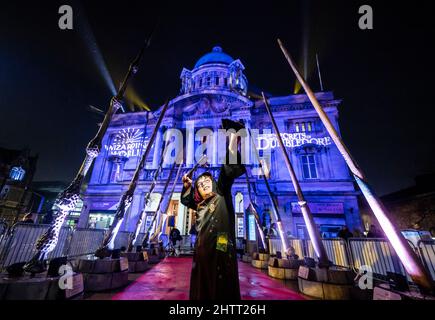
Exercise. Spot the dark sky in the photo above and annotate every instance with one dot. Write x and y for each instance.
(384, 76)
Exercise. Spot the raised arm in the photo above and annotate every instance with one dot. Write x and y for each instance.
(186, 197)
(229, 172)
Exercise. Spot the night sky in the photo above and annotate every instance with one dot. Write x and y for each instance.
(48, 77)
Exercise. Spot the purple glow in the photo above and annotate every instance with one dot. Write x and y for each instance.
(389, 230)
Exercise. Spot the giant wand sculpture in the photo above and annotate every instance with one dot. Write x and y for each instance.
(306, 212)
(127, 197)
(159, 212)
(256, 216)
(264, 174)
(147, 199)
(409, 259)
(67, 199)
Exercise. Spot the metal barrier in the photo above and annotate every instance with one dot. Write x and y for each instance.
(139, 239)
(85, 241)
(336, 250)
(122, 239)
(19, 244)
(3, 228)
(276, 245)
(376, 253)
(426, 249)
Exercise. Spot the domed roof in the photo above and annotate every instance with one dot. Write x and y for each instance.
(215, 56)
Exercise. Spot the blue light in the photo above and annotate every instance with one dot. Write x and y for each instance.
(17, 173)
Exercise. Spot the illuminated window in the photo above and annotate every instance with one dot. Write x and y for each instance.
(309, 167)
(239, 202)
(17, 173)
(297, 126)
(240, 227)
(251, 226)
(309, 126)
(303, 126)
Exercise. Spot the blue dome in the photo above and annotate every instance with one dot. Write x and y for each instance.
(216, 56)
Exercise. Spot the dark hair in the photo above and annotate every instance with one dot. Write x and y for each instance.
(197, 197)
(205, 174)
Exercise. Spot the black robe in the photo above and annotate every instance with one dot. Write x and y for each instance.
(215, 273)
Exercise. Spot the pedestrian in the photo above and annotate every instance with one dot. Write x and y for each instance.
(374, 232)
(193, 234)
(175, 236)
(344, 233)
(28, 218)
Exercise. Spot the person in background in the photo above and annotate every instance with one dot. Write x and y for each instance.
(374, 232)
(272, 231)
(28, 218)
(291, 253)
(48, 217)
(193, 233)
(357, 233)
(175, 236)
(344, 233)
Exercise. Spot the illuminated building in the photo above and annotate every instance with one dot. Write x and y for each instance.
(214, 89)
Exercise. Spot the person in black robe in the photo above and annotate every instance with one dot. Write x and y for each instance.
(214, 273)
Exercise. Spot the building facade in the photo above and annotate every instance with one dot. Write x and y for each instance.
(17, 168)
(215, 89)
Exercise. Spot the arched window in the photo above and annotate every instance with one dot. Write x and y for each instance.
(239, 202)
(297, 126)
(303, 126)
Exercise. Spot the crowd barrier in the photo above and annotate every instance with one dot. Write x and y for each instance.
(19, 244)
(427, 252)
(122, 239)
(85, 241)
(376, 253)
(276, 245)
(3, 228)
(336, 250)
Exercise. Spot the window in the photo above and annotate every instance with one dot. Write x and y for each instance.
(251, 228)
(309, 167)
(200, 83)
(303, 126)
(239, 202)
(226, 82)
(240, 227)
(17, 173)
(297, 126)
(216, 81)
(309, 126)
(208, 83)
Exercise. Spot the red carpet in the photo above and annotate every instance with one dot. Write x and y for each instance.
(169, 280)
